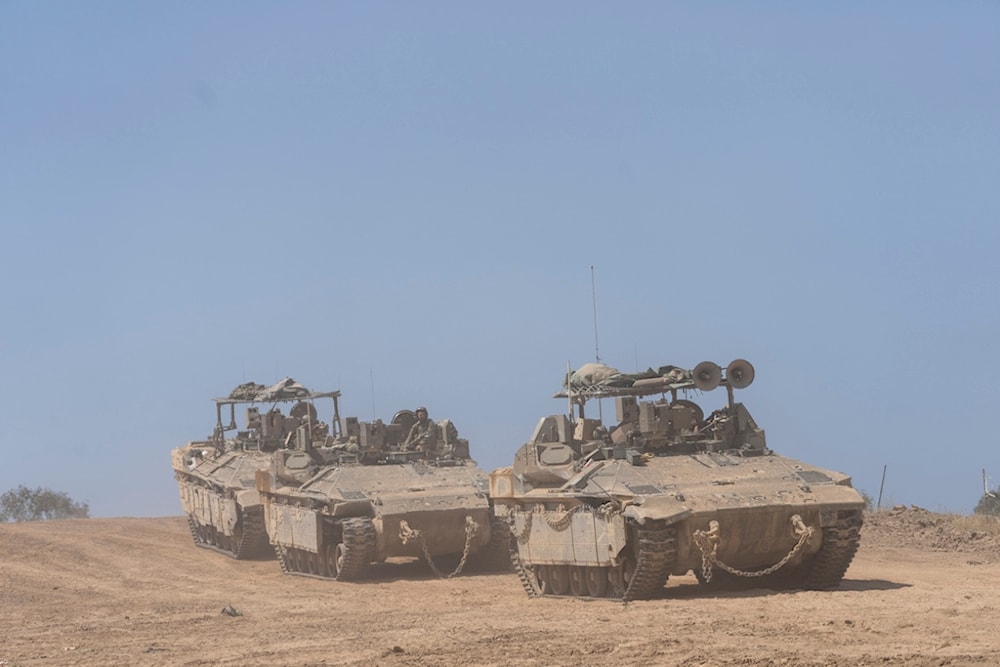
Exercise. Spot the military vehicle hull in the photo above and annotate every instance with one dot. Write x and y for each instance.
(217, 477)
(348, 516)
(220, 499)
(626, 544)
(613, 512)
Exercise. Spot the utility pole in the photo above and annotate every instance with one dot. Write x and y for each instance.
(881, 486)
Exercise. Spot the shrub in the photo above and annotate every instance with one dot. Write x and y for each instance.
(989, 504)
(40, 504)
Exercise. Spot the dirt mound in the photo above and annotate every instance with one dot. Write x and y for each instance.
(916, 528)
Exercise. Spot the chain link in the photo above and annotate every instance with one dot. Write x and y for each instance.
(562, 523)
(408, 535)
(522, 535)
(607, 510)
(708, 543)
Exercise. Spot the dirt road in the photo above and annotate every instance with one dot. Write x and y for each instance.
(137, 592)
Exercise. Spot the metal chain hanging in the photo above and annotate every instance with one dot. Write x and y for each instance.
(708, 543)
(522, 535)
(408, 535)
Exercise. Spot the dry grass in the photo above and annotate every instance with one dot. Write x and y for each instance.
(981, 523)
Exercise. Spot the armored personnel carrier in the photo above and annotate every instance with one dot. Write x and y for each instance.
(217, 476)
(402, 489)
(612, 511)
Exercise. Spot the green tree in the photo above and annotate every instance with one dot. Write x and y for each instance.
(989, 503)
(39, 504)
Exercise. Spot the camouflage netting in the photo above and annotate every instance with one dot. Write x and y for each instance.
(599, 375)
(247, 391)
(286, 389)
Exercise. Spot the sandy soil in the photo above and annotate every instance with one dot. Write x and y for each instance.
(922, 591)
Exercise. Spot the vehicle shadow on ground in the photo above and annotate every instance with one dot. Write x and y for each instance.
(871, 585)
(396, 569)
(693, 589)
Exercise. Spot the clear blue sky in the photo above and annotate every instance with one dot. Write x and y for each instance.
(403, 201)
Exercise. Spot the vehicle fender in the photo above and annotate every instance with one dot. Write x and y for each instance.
(659, 508)
(351, 508)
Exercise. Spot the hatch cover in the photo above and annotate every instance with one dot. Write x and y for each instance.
(813, 476)
(643, 489)
(722, 459)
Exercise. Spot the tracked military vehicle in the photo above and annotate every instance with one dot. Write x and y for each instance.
(217, 476)
(379, 492)
(612, 511)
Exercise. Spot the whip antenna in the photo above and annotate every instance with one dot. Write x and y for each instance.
(597, 353)
(569, 387)
(593, 298)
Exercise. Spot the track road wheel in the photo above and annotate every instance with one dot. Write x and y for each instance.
(597, 581)
(628, 570)
(560, 579)
(315, 563)
(621, 576)
(327, 566)
(578, 580)
(338, 559)
(543, 579)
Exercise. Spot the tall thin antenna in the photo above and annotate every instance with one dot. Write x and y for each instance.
(569, 387)
(597, 353)
(593, 297)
